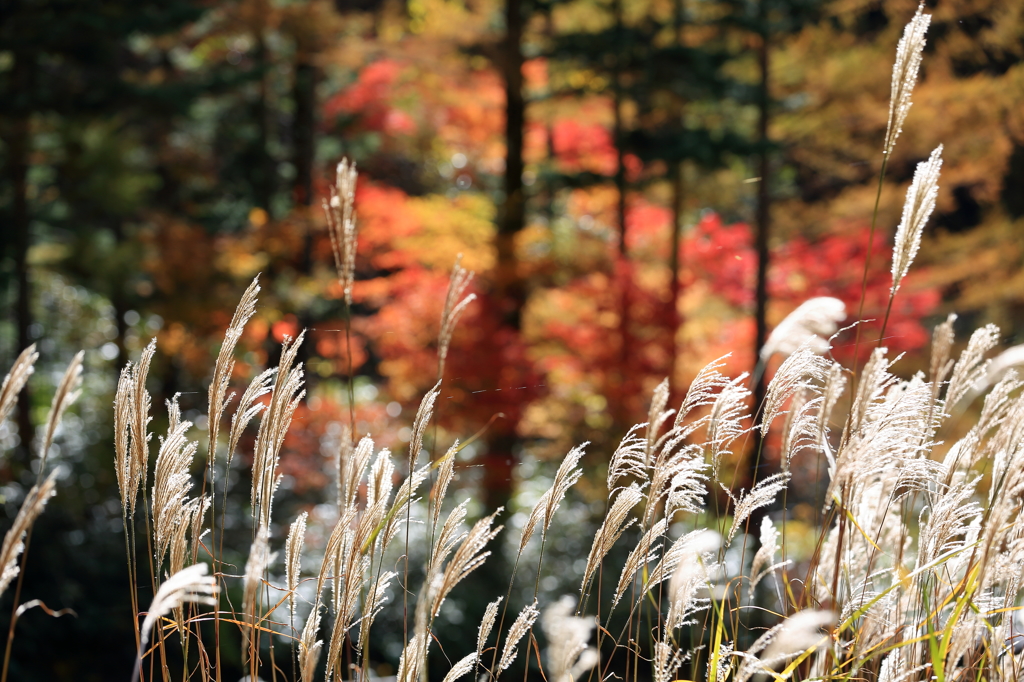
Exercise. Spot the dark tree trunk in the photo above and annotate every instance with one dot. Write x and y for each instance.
(303, 129)
(18, 148)
(509, 290)
(675, 320)
(763, 227)
(265, 173)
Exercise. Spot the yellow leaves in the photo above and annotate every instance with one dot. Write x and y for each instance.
(463, 225)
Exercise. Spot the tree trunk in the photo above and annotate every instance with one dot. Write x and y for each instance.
(763, 226)
(18, 142)
(622, 270)
(675, 320)
(265, 173)
(510, 293)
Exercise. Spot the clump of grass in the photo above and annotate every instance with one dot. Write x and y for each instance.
(916, 573)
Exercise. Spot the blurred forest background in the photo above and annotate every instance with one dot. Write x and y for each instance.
(610, 169)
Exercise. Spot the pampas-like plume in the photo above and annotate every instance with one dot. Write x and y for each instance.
(762, 494)
(190, 584)
(795, 635)
(140, 420)
(725, 423)
(835, 384)
(341, 224)
(972, 366)
(810, 325)
(639, 557)
(803, 368)
(524, 622)
(445, 474)
(274, 425)
(568, 636)
(667, 660)
(248, 408)
(127, 485)
(656, 418)
(259, 559)
(67, 393)
(171, 479)
(222, 370)
(189, 526)
(419, 424)
(454, 306)
(467, 558)
(309, 646)
(353, 469)
(544, 510)
(764, 560)
(461, 667)
(293, 559)
(16, 379)
(628, 459)
(689, 560)
(615, 522)
(904, 75)
(918, 207)
(14, 540)
(486, 624)
(1000, 364)
(942, 346)
(801, 426)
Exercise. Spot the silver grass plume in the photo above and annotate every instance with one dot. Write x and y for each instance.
(615, 522)
(693, 557)
(942, 347)
(568, 653)
(999, 366)
(463, 666)
(455, 304)
(400, 508)
(259, 559)
(171, 479)
(764, 560)
(639, 557)
(191, 584)
(16, 379)
(685, 490)
(354, 468)
(341, 224)
(793, 636)
(628, 459)
(445, 474)
(285, 398)
(667, 660)
(686, 553)
(123, 405)
(972, 366)
(14, 541)
(801, 369)
(918, 207)
(523, 623)
(375, 600)
(140, 419)
(544, 510)
(904, 75)
(67, 393)
(835, 384)
(656, 418)
(486, 625)
(225, 365)
(811, 324)
(702, 389)
(248, 408)
(467, 558)
(419, 424)
(293, 559)
(762, 494)
(310, 647)
(725, 423)
(801, 426)
(188, 526)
